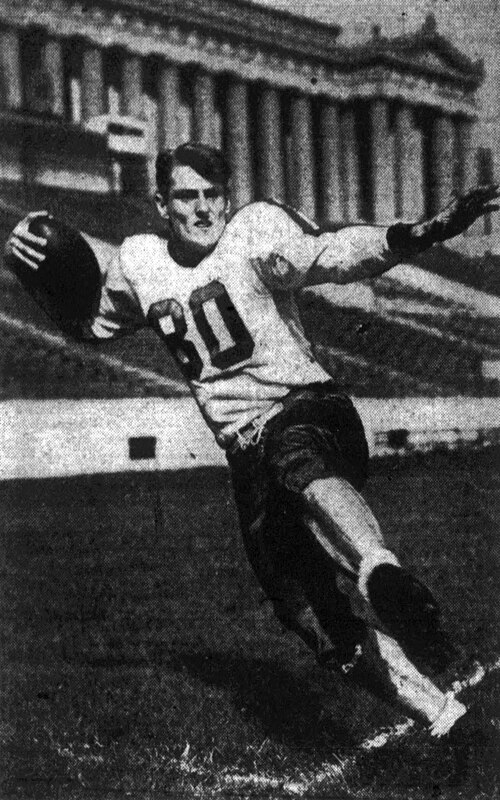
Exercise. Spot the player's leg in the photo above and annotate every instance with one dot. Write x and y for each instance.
(317, 451)
(368, 656)
(345, 526)
(341, 520)
(343, 523)
(302, 572)
(385, 670)
(266, 550)
(282, 553)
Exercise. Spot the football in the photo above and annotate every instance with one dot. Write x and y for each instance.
(65, 280)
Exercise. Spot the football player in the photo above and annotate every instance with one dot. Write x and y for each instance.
(221, 295)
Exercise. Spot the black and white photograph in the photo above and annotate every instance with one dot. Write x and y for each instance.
(250, 399)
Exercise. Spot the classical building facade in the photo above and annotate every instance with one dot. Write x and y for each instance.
(90, 91)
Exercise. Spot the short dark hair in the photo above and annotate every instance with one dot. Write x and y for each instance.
(207, 161)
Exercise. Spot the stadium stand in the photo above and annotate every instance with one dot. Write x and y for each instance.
(413, 343)
(430, 361)
(479, 272)
(105, 216)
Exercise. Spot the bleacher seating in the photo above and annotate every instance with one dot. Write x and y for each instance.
(481, 332)
(107, 217)
(479, 272)
(397, 352)
(429, 360)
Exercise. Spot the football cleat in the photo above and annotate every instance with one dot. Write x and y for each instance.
(411, 615)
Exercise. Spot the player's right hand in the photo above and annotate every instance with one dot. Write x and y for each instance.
(25, 245)
(58, 267)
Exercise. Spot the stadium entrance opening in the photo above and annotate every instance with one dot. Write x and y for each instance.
(131, 176)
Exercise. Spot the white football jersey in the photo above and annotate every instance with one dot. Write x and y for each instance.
(231, 322)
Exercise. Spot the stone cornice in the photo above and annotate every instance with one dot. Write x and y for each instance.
(241, 20)
(435, 76)
(300, 36)
(424, 52)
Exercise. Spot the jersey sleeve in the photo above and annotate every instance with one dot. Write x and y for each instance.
(119, 310)
(281, 244)
(352, 254)
(289, 251)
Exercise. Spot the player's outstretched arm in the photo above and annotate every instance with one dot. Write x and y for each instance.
(365, 251)
(58, 268)
(460, 213)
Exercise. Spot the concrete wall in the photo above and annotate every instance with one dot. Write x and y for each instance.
(73, 171)
(50, 438)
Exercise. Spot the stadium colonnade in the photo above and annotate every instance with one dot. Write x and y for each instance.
(369, 132)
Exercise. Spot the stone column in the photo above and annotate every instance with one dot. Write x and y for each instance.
(409, 169)
(150, 111)
(132, 86)
(92, 82)
(467, 173)
(204, 107)
(382, 162)
(270, 145)
(467, 167)
(350, 166)
(304, 194)
(238, 145)
(168, 106)
(10, 68)
(331, 201)
(52, 63)
(442, 158)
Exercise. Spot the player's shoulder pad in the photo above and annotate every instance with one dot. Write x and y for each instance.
(274, 210)
(137, 250)
(304, 223)
(265, 217)
(133, 246)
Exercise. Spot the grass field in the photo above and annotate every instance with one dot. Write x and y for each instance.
(139, 660)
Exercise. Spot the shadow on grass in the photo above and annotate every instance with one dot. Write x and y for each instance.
(287, 707)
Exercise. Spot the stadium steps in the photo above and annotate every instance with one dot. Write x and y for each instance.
(481, 337)
(432, 358)
(387, 351)
(38, 368)
(478, 272)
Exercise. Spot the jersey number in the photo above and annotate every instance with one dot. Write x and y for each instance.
(220, 326)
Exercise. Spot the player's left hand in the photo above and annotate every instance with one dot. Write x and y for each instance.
(464, 209)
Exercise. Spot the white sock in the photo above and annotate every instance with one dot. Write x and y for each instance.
(449, 714)
(416, 692)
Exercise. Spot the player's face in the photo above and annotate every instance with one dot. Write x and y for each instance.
(196, 212)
